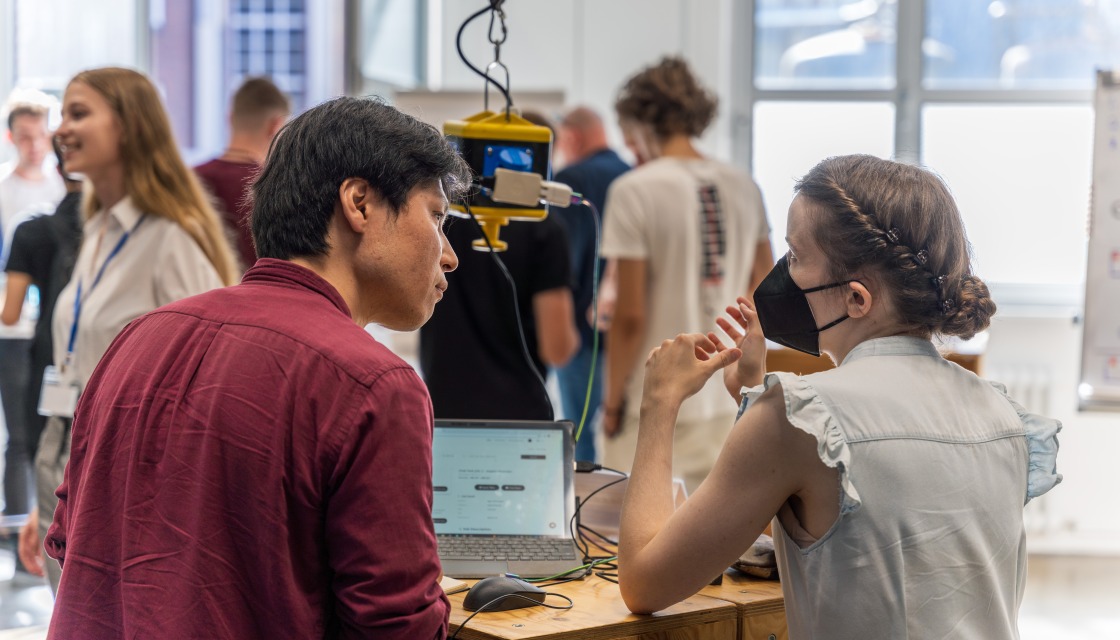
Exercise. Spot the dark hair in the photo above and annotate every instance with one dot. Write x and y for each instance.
(26, 109)
(667, 97)
(256, 100)
(898, 224)
(295, 195)
(57, 146)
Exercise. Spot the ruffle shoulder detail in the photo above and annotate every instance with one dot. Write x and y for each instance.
(806, 411)
(1042, 447)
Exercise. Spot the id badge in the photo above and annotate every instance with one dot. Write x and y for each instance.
(59, 396)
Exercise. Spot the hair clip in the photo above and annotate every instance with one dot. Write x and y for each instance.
(947, 306)
(921, 257)
(939, 280)
(893, 236)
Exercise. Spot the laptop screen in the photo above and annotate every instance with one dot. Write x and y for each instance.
(501, 478)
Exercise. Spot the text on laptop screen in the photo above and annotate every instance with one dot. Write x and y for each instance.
(500, 481)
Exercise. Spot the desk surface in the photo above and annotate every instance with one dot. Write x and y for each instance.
(600, 614)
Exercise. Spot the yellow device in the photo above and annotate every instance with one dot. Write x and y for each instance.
(490, 141)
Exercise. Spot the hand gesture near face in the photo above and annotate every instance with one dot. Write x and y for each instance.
(679, 367)
(746, 335)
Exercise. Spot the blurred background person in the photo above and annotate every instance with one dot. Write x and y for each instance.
(471, 354)
(28, 181)
(258, 111)
(42, 254)
(688, 233)
(27, 187)
(150, 237)
(590, 168)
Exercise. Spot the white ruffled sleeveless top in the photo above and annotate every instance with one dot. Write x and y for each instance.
(935, 467)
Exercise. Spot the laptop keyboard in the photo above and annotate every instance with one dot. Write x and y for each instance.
(453, 547)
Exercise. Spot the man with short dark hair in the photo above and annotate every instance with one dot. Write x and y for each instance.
(251, 463)
(258, 111)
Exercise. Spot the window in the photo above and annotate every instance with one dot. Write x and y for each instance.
(825, 44)
(793, 136)
(994, 95)
(48, 51)
(196, 51)
(1021, 44)
(268, 38)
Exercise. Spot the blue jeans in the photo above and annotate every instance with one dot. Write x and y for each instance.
(573, 390)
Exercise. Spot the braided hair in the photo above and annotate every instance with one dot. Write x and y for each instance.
(899, 224)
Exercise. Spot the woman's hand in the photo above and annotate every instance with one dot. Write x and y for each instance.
(30, 546)
(679, 367)
(747, 337)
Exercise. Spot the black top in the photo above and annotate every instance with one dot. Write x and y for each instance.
(470, 353)
(590, 177)
(46, 248)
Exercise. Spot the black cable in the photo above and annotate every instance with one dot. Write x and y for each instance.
(581, 544)
(493, 6)
(578, 573)
(513, 595)
(605, 539)
(516, 310)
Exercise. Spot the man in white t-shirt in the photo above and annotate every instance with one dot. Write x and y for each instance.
(28, 186)
(687, 235)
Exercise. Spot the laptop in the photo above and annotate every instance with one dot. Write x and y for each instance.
(503, 497)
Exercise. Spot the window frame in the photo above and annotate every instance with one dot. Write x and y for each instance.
(908, 96)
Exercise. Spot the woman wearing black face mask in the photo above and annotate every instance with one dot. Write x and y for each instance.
(896, 481)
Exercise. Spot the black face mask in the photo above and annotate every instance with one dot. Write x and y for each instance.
(784, 313)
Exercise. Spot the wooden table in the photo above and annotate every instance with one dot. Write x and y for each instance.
(716, 613)
(761, 608)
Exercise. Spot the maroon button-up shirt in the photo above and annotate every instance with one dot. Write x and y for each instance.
(250, 463)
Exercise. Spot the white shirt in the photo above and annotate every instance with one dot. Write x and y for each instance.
(654, 213)
(159, 263)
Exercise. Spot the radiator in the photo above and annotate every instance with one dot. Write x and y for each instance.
(1029, 385)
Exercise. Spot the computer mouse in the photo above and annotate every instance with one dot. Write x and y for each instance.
(502, 593)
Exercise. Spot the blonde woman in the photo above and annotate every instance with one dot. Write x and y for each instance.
(150, 238)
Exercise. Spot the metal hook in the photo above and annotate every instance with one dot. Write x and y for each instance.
(486, 83)
(496, 9)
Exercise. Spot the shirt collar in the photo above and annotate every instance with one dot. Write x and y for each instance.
(272, 271)
(892, 346)
(125, 213)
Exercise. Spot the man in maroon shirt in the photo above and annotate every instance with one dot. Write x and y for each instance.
(259, 110)
(250, 463)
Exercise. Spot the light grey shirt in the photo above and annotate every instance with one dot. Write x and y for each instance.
(158, 264)
(935, 467)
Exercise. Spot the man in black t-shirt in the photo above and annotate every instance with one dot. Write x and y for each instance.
(470, 352)
(43, 252)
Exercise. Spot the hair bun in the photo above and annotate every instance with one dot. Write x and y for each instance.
(972, 310)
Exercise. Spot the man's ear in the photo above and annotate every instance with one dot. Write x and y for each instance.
(859, 299)
(275, 124)
(357, 200)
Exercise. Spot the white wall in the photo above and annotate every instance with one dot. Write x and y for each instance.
(1081, 514)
